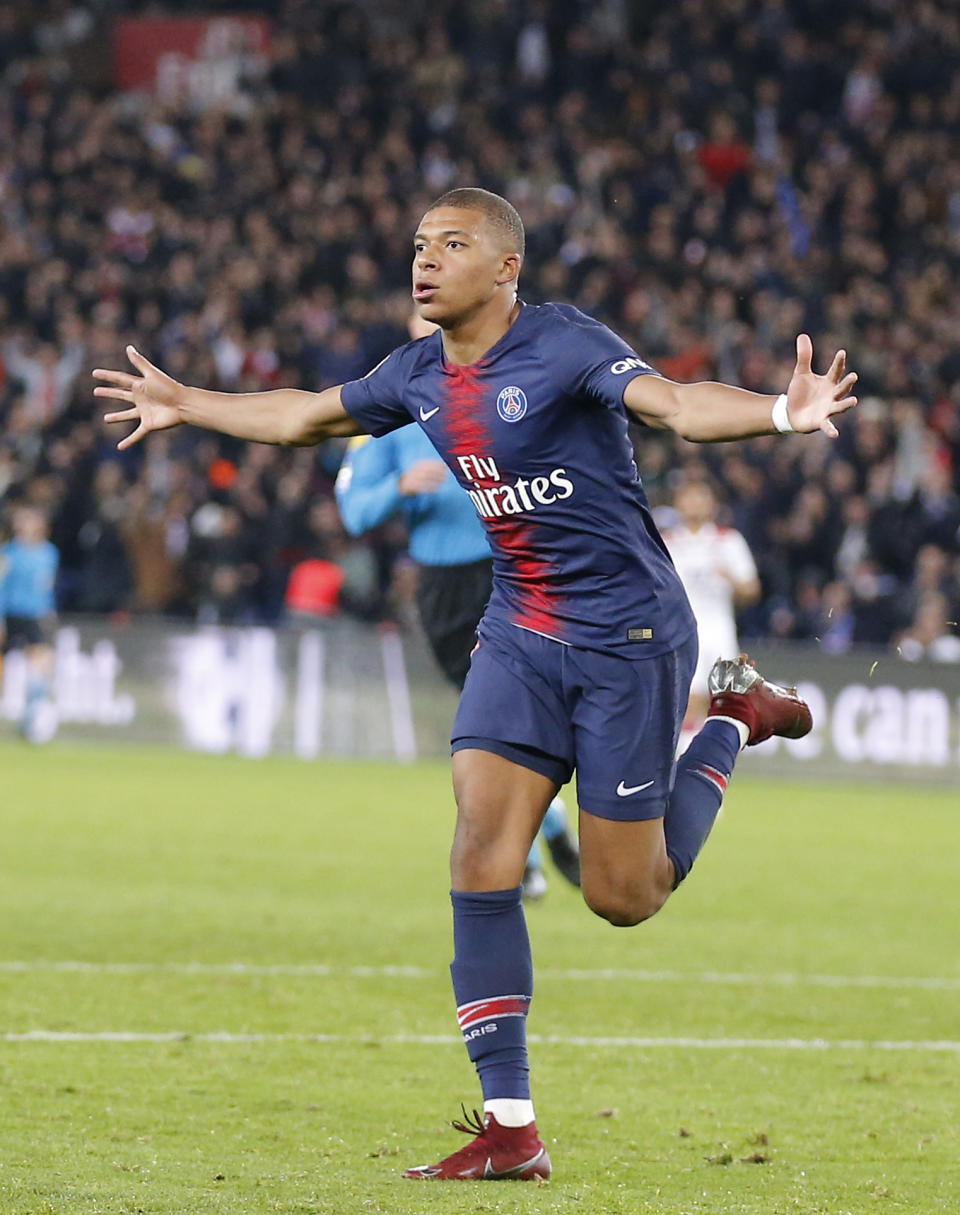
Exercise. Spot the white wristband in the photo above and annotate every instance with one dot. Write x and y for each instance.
(779, 415)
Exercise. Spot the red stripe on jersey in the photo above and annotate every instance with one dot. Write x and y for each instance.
(488, 1010)
(463, 414)
(464, 418)
(713, 776)
(530, 576)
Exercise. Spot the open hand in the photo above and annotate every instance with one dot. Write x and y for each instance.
(812, 399)
(154, 397)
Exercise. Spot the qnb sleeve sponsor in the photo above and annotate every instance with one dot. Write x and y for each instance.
(594, 361)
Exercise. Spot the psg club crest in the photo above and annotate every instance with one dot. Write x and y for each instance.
(512, 404)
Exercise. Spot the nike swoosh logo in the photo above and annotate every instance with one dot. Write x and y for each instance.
(425, 417)
(623, 791)
(489, 1172)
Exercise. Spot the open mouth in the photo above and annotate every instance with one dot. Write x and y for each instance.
(423, 291)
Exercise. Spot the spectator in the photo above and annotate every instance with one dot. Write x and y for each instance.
(930, 635)
(47, 375)
(704, 187)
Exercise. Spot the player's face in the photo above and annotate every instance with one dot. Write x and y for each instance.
(459, 265)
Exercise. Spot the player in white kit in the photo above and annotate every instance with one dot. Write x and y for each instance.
(719, 575)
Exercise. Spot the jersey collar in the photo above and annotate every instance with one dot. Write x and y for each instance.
(499, 346)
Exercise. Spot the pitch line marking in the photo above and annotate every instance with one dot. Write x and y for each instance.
(613, 974)
(223, 1036)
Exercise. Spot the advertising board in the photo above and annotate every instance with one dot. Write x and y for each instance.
(343, 688)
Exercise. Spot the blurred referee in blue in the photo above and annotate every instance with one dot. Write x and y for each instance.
(401, 473)
(28, 572)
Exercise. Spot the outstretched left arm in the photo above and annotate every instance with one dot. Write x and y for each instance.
(712, 413)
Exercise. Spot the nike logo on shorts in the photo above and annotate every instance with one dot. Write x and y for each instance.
(623, 791)
(425, 417)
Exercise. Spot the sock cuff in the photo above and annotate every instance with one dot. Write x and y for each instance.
(481, 902)
(741, 727)
(510, 1111)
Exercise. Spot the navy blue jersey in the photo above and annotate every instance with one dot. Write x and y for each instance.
(536, 432)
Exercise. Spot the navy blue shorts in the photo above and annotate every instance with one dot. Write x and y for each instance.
(556, 709)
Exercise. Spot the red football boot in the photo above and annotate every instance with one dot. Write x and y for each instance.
(498, 1153)
(738, 690)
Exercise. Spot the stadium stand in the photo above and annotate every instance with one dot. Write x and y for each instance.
(706, 176)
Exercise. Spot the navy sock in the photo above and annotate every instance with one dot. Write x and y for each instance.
(492, 972)
(703, 772)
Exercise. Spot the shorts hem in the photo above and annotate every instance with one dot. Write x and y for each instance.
(551, 766)
(639, 812)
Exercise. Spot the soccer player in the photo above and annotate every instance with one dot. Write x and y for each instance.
(401, 473)
(719, 575)
(588, 644)
(28, 571)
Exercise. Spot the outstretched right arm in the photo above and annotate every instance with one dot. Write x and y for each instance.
(286, 415)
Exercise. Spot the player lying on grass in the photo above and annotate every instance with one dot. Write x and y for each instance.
(588, 643)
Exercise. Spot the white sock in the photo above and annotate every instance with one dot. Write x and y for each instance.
(741, 727)
(509, 1111)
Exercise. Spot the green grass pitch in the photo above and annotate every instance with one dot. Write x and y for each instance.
(274, 936)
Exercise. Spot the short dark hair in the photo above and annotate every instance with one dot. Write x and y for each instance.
(502, 214)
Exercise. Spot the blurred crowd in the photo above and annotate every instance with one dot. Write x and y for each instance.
(709, 177)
